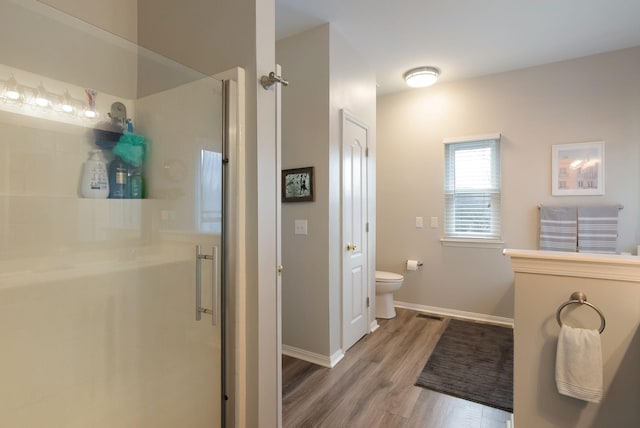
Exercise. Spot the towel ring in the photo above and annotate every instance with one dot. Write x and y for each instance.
(580, 298)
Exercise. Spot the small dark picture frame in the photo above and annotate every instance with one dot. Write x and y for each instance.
(297, 185)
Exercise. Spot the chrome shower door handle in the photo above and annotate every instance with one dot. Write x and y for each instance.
(198, 284)
(214, 285)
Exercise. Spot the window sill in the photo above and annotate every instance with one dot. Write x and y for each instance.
(472, 243)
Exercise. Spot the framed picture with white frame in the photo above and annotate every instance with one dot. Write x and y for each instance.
(577, 169)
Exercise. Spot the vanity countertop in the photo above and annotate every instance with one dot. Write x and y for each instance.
(622, 267)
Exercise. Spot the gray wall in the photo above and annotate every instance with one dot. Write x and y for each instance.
(117, 16)
(326, 75)
(305, 142)
(588, 99)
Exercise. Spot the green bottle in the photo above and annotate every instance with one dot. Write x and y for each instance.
(135, 188)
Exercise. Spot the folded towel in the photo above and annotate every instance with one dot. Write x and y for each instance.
(558, 228)
(579, 364)
(598, 229)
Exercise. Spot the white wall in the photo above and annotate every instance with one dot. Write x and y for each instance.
(588, 99)
(325, 76)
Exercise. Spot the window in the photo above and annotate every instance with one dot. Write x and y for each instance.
(472, 188)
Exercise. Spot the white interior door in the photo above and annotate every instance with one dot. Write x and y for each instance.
(354, 234)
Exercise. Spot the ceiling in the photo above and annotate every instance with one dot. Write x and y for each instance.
(466, 38)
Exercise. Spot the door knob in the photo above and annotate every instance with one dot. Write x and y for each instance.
(351, 247)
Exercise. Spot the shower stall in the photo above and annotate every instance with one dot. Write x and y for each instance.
(114, 311)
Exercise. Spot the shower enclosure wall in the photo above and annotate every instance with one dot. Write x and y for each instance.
(108, 318)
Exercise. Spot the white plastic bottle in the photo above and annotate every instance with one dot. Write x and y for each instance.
(95, 180)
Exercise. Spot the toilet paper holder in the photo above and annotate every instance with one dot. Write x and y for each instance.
(418, 264)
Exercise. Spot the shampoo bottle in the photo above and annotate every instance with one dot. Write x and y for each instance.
(118, 183)
(135, 183)
(95, 181)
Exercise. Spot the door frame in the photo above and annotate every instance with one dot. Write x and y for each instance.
(346, 115)
(279, 268)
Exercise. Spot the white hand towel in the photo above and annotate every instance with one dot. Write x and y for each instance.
(579, 364)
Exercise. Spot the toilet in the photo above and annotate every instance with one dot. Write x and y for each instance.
(386, 284)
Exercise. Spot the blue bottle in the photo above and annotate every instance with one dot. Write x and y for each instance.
(118, 186)
(135, 188)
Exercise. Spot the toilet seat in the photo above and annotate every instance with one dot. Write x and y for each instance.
(382, 276)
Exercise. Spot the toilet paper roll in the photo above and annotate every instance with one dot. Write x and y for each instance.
(412, 265)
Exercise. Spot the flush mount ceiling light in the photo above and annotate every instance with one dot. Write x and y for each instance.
(421, 77)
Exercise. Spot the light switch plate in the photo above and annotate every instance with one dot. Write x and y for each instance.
(434, 222)
(300, 227)
(166, 215)
(419, 222)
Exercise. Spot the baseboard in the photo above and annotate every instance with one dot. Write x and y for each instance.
(510, 423)
(312, 357)
(373, 326)
(492, 319)
(336, 358)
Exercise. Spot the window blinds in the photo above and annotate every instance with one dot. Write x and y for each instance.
(472, 188)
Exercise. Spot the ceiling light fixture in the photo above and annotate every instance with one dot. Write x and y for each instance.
(37, 101)
(421, 77)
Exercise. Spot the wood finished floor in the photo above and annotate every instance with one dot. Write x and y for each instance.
(373, 386)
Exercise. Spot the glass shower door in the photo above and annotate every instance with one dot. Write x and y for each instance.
(101, 289)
